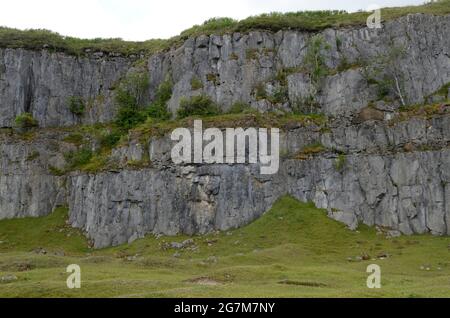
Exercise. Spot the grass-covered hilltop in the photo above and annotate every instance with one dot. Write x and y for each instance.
(303, 21)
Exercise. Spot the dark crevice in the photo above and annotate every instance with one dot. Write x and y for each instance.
(29, 91)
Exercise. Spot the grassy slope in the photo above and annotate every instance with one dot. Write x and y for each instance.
(307, 21)
(294, 241)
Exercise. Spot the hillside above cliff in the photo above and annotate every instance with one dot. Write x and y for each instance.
(301, 21)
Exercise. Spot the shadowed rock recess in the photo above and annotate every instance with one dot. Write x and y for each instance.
(372, 167)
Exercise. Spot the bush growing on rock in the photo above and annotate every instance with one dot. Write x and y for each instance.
(158, 109)
(25, 121)
(196, 84)
(200, 105)
(340, 162)
(76, 159)
(130, 97)
(314, 65)
(110, 139)
(132, 89)
(76, 105)
(129, 117)
(239, 108)
(387, 73)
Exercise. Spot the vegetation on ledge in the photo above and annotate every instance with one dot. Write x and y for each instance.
(247, 119)
(427, 111)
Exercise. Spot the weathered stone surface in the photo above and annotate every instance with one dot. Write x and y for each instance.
(405, 192)
(27, 188)
(114, 208)
(378, 184)
(240, 62)
(41, 83)
(229, 67)
(393, 174)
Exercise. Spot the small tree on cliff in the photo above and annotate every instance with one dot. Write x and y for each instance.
(387, 71)
(315, 67)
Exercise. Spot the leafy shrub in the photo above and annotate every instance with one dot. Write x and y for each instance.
(76, 159)
(314, 65)
(25, 120)
(34, 155)
(280, 96)
(132, 89)
(386, 71)
(74, 138)
(314, 62)
(129, 117)
(198, 106)
(260, 91)
(110, 139)
(56, 171)
(158, 109)
(130, 98)
(76, 105)
(196, 83)
(340, 162)
(239, 108)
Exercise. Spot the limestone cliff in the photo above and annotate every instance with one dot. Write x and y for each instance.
(373, 167)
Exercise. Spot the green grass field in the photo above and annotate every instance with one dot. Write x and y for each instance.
(295, 250)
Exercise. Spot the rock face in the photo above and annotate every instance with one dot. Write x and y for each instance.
(377, 183)
(407, 192)
(373, 167)
(27, 188)
(230, 68)
(42, 83)
(114, 208)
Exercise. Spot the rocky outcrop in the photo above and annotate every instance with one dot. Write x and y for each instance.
(387, 173)
(372, 167)
(42, 83)
(230, 68)
(114, 208)
(27, 186)
(405, 192)
(376, 182)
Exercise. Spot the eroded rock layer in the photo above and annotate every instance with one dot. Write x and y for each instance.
(372, 166)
